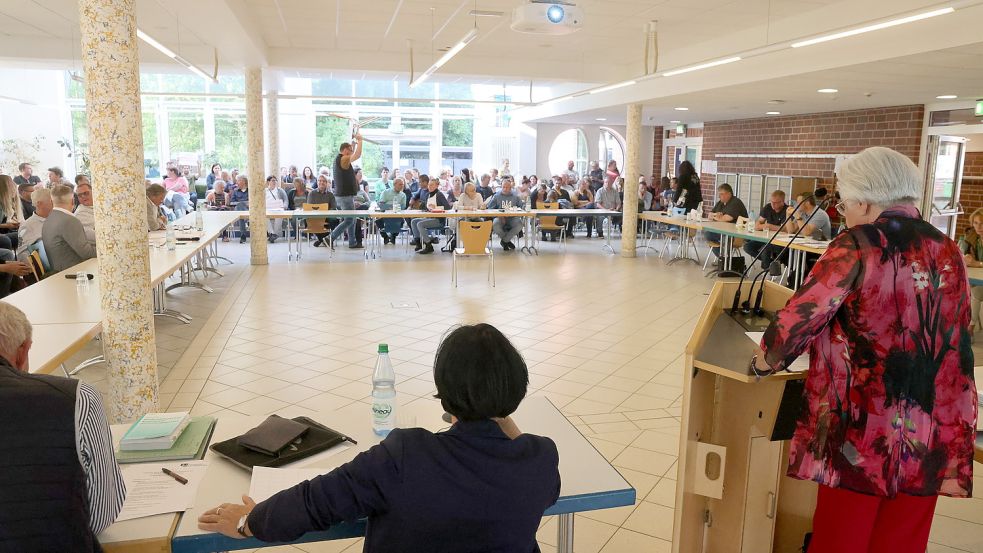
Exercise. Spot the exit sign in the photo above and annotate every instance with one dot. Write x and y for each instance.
(979, 108)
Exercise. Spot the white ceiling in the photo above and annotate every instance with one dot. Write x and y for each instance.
(915, 79)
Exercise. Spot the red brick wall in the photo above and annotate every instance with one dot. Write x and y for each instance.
(659, 133)
(841, 132)
(971, 193)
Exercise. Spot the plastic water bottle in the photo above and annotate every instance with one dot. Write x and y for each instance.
(529, 202)
(169, 237)
(750, 221)
(199, 220)
(383, 393)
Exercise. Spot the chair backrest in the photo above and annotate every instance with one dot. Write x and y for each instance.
(474, 236)
(317, 224)
(44, 256)
(36, 266)
(551, 220)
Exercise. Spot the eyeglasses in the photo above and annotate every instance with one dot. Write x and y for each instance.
(841, 207)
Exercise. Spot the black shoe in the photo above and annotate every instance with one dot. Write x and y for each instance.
(599, 235)
(505, 245)
(426, 249)
(318, 243)
(356, 247)
(242, 239)
(509, 246)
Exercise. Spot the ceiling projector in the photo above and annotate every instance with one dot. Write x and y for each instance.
(547, 18)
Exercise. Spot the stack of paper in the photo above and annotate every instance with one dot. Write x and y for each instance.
(150, 491)
(190, 445)
(155, 431)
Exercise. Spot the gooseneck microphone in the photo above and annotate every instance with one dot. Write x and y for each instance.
(737, 293)
(757, 300)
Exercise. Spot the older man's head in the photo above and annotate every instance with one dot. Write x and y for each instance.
(41, 198)
(15, 336)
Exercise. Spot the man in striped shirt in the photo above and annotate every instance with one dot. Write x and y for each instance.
(56, 455)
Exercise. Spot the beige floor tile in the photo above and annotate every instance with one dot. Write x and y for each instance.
(627, 541)
(229, 397)
(957, 534)
(663, 493)
(581, 406)
(293, 393)
(265, 385)
(652, 519)
(642, 460)
(658, 441)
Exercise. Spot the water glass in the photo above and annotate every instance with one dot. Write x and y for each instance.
(81, 281)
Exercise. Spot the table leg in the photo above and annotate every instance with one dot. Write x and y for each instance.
(187, 274)
(800, 272)
(683, 249)
(160, 306)
(609, 223)
(214, 253)
(564, 533)
(532, 235)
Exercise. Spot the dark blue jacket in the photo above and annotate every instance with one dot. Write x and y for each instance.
(424, 195)
(470, 489)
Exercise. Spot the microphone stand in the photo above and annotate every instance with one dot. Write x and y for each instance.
(757, 301)
(737, 294)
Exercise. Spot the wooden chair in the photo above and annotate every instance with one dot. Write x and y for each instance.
(37, 266)
(316, 225)
(548, 223)
(473, 239)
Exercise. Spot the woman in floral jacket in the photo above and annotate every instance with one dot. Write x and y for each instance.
(890, 413)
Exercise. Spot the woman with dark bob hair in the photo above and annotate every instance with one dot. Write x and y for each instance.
(481, 485)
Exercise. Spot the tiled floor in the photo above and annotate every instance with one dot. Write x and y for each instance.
(603, 337)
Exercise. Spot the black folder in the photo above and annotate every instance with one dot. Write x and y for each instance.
(317, 439)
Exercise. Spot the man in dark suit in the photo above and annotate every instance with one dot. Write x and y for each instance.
(63, 235)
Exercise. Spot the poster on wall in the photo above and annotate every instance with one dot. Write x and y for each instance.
(709, 167)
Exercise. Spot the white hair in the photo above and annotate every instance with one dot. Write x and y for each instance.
(40, 195)
(15, 329)
(880, 176)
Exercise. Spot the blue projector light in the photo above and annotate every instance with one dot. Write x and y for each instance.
(555, 13)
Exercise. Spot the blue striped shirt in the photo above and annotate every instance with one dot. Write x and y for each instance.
(103, 479)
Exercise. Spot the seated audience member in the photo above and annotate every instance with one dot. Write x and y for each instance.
(391, 197)
(485, 188)
(12, 273)
(297, 197)
(56, 176)
(561, 195)
(644, 196)
(240, 202)
(596, 176)
(30, 232)
(456, 189)
(608, 198)
(363, 201)
(506, 228)
(84, 211)
(728, 208)
(217, 198)
(156, 220)
(818, 227)
(382, 185)
(61, 484)
(540, 195)
(322, 195)
(214, 174)
(583, 198)
(524, 189)
(971, 245)
(412, 178)
(26, 175)
(63, 236)
(11, 213)
(430, 198)
(276, 198)
(24, 191)
(771, 219)
(426, 492)
(470, 199)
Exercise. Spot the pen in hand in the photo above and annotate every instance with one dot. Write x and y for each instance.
(175, 476)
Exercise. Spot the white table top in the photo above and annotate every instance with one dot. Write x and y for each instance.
(52, 344)
(583, 470)
(416, 213)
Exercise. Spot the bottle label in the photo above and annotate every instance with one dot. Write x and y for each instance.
(381, 411)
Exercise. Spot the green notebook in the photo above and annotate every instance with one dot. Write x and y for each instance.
(191, 445)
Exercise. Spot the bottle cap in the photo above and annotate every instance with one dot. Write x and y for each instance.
(383, 348)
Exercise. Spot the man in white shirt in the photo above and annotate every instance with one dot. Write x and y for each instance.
(30, 230)
(84, 211)
(571, 175)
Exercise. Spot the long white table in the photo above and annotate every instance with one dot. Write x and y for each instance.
(588, 481)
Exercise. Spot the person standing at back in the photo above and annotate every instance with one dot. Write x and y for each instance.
(688, 194)
(346, 187)
(60, 482)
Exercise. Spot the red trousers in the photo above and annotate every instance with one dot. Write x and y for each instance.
(850, 522)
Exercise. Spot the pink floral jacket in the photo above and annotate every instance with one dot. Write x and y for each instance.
(890, 397)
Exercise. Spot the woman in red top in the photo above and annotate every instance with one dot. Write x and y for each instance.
(890, 415)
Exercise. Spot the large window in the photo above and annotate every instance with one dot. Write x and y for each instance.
(230, 140)
(186, 131)
(329, 133)
(570, 145)
(151, 145)
(610, 146)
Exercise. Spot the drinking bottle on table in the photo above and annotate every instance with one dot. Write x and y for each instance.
(383, 393)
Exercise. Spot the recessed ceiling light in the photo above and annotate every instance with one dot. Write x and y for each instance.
(485, 13)
(827, 91)
(946, 97)
(675, 122)
(681, 109)
(773, 113)
(601, 119)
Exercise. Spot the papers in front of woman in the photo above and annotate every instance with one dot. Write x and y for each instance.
(799, 365)
(150, 491)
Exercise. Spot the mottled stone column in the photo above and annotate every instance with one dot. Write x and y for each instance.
(273, 134)
(112, 99)
(634, 143)
(257, 179)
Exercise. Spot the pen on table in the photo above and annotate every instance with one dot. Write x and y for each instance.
(175, 476)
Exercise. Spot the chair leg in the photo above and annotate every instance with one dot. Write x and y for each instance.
(454, 269)
(491, 259)
(707, 262)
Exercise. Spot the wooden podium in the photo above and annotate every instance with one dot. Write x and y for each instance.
(732, 494)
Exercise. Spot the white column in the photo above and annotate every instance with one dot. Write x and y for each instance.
(629, 221)
(273, 134)
(257, 179)
(109, 55)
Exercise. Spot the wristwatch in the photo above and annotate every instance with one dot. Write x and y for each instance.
(242, 526)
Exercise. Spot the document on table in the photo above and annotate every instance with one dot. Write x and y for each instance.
(151, 492)
(801, 364)
(267, 481)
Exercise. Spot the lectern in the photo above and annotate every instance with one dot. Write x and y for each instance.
(732, 494)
